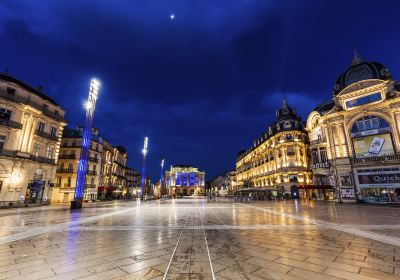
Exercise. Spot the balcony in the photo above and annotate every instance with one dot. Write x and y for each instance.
(381, 159)
(93, 159)
(73, 145)
(27, 101)
(90, 186)
(14, 154)
(91, 172)
(318, 141)
(8, 153)
(43, 159)
(73, 156)
(10, 123)
(47, 135)
(65, 170)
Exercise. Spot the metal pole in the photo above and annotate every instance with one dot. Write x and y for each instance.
(86, 137)
(144, 151)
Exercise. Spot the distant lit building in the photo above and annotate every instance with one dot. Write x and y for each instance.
(31, 124)
(224, 184)
(354, 139)
(132, 182)
(185, 180)
(277, 163)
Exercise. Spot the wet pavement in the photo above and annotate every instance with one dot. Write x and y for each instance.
(195, 239)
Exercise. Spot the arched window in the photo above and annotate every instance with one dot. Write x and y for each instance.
(369, 123)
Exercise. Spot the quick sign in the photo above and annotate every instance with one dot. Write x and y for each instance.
(379, 179)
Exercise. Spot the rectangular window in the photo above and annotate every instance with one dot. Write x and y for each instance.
(291, 151)
(49, 152)
(323, 154)
(53, 131)
(41, 126)
(5, 114)
(36, 149)
(314, 156)
(2, 141)
(10, 90)
(1, 185)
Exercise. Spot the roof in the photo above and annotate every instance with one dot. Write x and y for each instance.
(29, 88)
(360, 70)
(324, 107)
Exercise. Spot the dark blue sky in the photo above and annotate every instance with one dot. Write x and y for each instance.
(201, 86)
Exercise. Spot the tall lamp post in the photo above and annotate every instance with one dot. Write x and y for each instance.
(144, 151)
(162, 177)
(90, 106)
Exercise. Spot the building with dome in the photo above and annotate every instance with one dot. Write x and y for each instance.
(277, 164)
(354, 138)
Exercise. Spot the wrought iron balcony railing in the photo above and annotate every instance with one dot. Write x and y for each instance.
(25, 100)
(47, 135)
(10, 123)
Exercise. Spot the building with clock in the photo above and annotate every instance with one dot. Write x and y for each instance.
(354, 138)
(277, 164)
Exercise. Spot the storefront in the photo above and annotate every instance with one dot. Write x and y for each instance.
(317, 192)
(379, 185)
(262, 193)
(35, 192)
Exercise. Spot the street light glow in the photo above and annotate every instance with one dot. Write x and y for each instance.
(145, 144)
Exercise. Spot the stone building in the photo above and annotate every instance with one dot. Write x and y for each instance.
(185, 180)
(119, 162)
(132, 182)
(224, 184)
(70, 151)
(105, 190)
(354, 139)
(277, 164)
(31, 124)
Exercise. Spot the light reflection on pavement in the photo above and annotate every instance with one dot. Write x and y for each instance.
(196, 239)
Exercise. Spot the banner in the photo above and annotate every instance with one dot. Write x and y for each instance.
(373, 145)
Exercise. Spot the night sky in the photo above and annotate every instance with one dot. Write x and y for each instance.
(201, 86)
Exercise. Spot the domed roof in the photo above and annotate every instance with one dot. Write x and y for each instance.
(285, 112)
(360, 70)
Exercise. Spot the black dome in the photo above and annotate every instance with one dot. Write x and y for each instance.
(360, 70)
(285, 113)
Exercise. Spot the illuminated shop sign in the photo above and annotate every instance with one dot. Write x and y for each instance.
(321, 165)
(379, 179)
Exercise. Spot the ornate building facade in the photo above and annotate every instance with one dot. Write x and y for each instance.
(64, 188)
(185, 180)
(277, 164)
(355, 138)
(31, 125)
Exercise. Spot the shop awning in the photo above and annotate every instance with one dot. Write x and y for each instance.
(105, 188)
(315, 187)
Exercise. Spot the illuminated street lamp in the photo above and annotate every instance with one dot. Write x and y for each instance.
(144, 151)
(162, 170)
(90, 106)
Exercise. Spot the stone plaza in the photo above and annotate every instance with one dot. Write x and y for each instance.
(196, 239)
